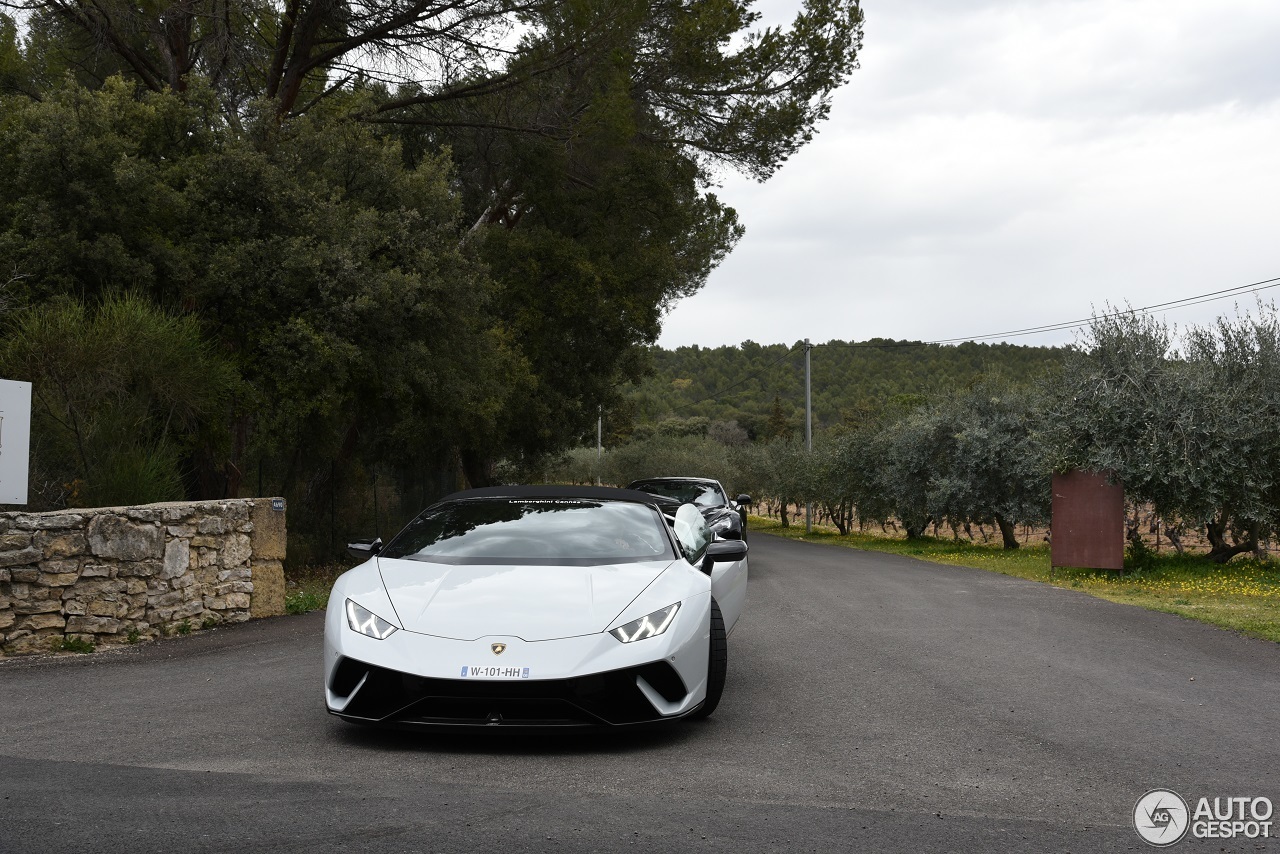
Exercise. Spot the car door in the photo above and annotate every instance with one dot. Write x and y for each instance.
(728, 579)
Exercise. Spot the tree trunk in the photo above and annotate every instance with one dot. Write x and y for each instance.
(1008, 532)
(837, 518)
(206, 479)
(916, 528)
(477, 470)
(1132, 530)
(1222, 551)
(234, 467)
(782, 512)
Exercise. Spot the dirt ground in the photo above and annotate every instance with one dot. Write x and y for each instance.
(1153, 530)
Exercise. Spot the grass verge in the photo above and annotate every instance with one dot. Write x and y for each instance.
(307, 588)
(1243, 595)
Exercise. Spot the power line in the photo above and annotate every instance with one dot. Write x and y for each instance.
(1185, 302)
(1226, 293)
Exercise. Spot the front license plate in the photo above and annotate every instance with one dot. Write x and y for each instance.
(495, 672)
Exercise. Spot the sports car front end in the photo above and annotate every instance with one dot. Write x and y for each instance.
(414, 640)
(413, 678)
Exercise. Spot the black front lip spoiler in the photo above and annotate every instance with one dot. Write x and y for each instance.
(446, 725)
(608, 700)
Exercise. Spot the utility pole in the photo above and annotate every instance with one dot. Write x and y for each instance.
(599, 441)
(808, 428)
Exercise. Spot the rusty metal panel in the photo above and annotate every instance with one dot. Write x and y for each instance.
(1088, 521)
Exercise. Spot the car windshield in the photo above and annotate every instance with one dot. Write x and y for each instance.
(536, 531)
(686, 491)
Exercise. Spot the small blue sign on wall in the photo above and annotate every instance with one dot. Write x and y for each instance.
(277, 504)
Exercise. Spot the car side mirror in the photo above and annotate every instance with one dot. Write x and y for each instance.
(744, 500)
(364, 549)
(723, 551)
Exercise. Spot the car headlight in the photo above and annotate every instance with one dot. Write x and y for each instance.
(367, 623)
(722, 524)
(650, 625)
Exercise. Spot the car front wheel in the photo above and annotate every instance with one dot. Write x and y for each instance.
(717, 664)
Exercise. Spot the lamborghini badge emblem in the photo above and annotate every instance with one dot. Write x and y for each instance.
(498, 648)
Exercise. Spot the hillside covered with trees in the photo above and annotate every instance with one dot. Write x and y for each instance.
(761, 387)
(1187, 421)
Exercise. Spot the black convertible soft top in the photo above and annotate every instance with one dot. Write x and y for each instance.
(602, 493)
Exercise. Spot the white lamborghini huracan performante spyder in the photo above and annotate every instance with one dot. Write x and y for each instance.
(536, 606)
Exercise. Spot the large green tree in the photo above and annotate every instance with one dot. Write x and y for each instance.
(587, 184)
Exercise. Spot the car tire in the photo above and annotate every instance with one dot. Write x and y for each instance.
(717, 664)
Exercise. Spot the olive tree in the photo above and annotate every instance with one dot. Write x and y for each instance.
(910, 451)
(669, 456)
(993, 463)
(774, 472)
(1237, 364)
(1192, 431)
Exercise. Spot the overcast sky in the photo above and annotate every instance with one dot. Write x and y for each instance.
(1002, 164)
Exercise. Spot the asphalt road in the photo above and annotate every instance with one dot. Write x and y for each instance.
(875, 703)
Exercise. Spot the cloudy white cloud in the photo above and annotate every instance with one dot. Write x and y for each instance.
(1003, 164)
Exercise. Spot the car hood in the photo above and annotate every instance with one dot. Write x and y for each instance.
(715, 514)
(671, 505)
(529, 602)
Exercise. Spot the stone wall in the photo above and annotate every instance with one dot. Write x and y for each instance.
(123, 574)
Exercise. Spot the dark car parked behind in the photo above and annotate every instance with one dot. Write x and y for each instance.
(727, 517)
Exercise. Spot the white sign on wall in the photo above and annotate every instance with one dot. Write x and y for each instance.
(15, 441)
